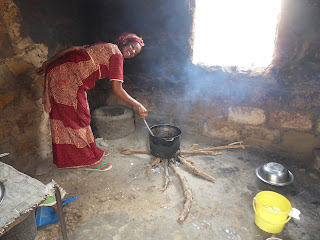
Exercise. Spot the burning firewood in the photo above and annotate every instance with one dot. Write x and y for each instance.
(195, 170)
(166, 176)
(179, 155)
(189, 161)
(186, 190)
(150, 165)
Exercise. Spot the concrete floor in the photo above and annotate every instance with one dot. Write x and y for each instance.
(134, 207)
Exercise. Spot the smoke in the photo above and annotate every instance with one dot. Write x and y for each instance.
(166, 27)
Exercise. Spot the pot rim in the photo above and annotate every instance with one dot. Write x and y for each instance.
(166, 125)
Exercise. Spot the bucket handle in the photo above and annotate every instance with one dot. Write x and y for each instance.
(254, 208)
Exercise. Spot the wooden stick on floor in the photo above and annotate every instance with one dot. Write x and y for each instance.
(150, 165)
(166, 176)
(127, 151)
(186, 190)
(207, 151)
(222, 147)
(195, 170)
(214, 153)
(193, 147)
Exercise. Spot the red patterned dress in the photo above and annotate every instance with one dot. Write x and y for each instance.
(65, 99)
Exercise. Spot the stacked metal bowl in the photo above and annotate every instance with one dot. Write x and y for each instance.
(275, 174)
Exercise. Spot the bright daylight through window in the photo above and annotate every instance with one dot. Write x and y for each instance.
(235, 32)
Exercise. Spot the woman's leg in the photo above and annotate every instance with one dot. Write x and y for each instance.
(73, 142)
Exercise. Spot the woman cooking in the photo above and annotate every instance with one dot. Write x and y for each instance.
(68, 76)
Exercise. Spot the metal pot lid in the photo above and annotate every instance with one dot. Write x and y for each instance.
(275, 174)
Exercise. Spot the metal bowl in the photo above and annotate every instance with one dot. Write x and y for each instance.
(275, 174)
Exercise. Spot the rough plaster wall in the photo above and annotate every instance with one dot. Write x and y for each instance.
(23, 125)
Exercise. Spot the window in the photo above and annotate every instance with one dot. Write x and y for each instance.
(235, 32)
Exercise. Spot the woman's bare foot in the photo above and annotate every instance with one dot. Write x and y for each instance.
(99, 166)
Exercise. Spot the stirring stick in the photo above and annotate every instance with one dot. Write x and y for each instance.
(148, 127)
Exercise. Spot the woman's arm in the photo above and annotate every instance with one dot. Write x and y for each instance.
(122, 94)
(45, 65)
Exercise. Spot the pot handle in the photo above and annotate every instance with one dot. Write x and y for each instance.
(169, 139)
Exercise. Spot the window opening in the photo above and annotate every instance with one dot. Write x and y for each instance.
(235, 32)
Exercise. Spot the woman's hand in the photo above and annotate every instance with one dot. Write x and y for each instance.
(143, 112)
(122, 94)
(43, 68)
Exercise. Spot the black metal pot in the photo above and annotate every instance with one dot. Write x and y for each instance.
(165, 142)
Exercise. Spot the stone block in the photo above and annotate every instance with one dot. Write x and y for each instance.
(246, 115)
(260, 133)
(222, 130)
(301, 101)
(17, 65)
(276, 100)
(35, 54)
(282, 119)
(301, 145)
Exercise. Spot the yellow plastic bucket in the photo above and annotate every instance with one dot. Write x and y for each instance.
(272, 211)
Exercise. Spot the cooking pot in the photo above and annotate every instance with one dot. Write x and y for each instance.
(165, 142)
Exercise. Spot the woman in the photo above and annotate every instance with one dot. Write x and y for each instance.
(68, 76)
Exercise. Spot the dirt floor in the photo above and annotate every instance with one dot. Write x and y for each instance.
(125, 204)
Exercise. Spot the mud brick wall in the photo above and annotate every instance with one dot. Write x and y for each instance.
(277, 109)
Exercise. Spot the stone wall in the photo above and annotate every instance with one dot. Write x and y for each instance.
(277, 109)
(24, 127)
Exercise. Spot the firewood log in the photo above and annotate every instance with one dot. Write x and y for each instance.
(186, 190)
(195, 170)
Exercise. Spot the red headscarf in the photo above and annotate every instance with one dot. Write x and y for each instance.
(129, 37)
